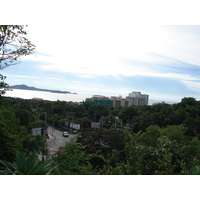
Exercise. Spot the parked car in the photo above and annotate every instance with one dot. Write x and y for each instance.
(65, 134)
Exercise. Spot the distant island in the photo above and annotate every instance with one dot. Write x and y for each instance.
(25, 87)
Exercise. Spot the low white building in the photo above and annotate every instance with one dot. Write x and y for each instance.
(36, 131)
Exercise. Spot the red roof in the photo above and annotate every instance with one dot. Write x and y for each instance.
(36, 98)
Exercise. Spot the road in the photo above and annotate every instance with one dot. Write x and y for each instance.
(58, 140)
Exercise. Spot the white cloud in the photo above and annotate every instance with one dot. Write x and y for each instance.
(56, 79)
(76, 82)
(21, 76)
(181, 77)
(116, 67)
(195, 86)
(91, 50)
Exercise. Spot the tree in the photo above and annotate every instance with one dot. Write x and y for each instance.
(10, 134)
(25, 116)
(188, 101)
(15, 129)
(26, 166)
(33, 143)
(166, 156)
(141, 122)
(128, 113)
(13, 45)
(3, 86)
(105, 141)
(72, 159)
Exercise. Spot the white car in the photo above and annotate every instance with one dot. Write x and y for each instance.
(65, 134)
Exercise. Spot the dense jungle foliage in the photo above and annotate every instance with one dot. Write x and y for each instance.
(159, 139)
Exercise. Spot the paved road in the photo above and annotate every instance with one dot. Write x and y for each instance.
(58, 140)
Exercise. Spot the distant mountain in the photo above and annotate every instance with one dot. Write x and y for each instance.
(25, 87)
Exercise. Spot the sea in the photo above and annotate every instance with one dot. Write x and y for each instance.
(30, 94)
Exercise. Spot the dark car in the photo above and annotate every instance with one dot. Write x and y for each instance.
(65, 134)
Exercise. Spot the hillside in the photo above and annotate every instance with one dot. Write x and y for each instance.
(25, 87)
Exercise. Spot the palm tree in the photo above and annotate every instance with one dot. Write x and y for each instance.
(26, 166)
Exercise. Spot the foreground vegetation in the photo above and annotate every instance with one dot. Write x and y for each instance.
(154, 140)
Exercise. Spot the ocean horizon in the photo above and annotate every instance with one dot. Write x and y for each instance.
(30, 94)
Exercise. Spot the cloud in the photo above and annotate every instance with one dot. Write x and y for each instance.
(195, 86)
(157, 65)
(132, 51)
(42, 54)
(145, 64)
(56, 79)
(76, 82)
(22, 76)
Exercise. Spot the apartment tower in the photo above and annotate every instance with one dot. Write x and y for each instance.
(137, 99)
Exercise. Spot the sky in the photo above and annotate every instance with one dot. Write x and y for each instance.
(101, 48)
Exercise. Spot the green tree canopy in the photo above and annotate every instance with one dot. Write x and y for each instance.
(13, 44)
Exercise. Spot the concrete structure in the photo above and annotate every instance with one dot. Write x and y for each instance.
(119, 101)
(95, 125)
(97, 99)
(36, 131)
(138, 99)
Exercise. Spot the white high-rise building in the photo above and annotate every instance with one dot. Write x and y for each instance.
(138, 99)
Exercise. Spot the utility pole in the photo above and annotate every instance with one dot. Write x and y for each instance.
(72, 120)
(53, 125)
(53, 128)
(71, 114)
(81, 127)
(102, 119)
